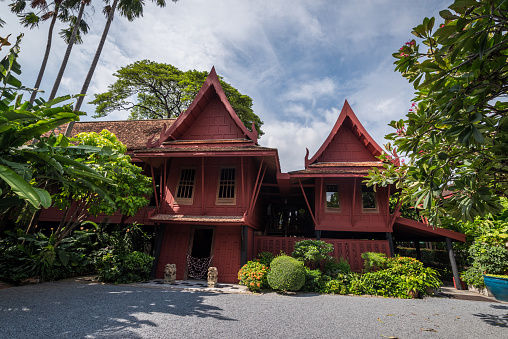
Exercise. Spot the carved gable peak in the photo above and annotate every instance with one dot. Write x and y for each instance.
(209, 116)
(347, 130)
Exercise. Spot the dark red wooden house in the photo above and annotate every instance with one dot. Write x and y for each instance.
(222, 196)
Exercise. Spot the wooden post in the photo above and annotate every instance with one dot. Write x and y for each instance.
(245, 239)
(455, 271)
(418, 252)
(318, 235)
(390, 242)
(159, 237)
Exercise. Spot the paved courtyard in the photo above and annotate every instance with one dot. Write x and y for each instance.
(75, 310)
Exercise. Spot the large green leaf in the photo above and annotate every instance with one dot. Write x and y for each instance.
(20, 186)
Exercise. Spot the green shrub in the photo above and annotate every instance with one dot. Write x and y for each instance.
(373, 261)
(333, 267)
(254, 275)
(312, 251)
(265, 258)
(313, 280)
(492, 259)
(124, 268)
(339, 285)
(401, 276)
(286, 274)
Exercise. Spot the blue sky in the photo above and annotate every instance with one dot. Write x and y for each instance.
(298, 60)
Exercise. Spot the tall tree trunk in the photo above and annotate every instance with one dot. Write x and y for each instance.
(46, 54)
(84, 89)
(67, 52)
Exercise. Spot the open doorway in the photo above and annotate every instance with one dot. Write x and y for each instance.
(201, 251)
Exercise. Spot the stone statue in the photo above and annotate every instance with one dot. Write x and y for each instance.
(170, 274)
(213, 274)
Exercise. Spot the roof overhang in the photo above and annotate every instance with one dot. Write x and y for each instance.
(406, 229)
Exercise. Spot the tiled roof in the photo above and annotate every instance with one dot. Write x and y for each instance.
(348, 164)
(205, 149)
(332, 171)
(132, 133)
(197, 218)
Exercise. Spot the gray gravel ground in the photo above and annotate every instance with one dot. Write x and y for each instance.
(70, 310)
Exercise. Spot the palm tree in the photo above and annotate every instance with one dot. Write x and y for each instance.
(130, 9)
(78, 25)
(31, 20)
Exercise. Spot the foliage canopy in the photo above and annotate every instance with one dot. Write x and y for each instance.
(456, 132)
(152, 90)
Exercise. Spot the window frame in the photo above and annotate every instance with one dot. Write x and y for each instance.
(185, 201)
(332, 209)
(370, 210)
(226, 201)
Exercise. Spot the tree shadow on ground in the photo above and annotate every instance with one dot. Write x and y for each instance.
(75, 310)
(494, 319)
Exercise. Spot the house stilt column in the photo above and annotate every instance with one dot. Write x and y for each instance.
(245, 242)
(318, 235)
(390, 243)
(418, 251)
(159, 237)
(455, 271)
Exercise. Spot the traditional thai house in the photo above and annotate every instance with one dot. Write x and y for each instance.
(221, 198)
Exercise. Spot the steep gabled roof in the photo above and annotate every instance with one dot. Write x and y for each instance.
(347, 119)
(210, 91)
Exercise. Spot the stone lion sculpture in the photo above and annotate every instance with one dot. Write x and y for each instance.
(170, 274)
(213, 274)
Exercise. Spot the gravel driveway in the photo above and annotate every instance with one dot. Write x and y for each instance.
(71, 310)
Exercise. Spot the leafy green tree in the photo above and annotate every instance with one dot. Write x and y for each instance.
(456, 132)
(152, 90)
(125, 184)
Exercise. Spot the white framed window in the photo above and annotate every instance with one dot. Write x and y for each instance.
(332, 198)
(369, 200)
(185, 187)
(226, 190)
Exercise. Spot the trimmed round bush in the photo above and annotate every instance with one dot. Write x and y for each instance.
(286, 274)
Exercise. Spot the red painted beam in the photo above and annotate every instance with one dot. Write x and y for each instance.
(155, 190)
(307, 202)
(256, 184)
(259, 189)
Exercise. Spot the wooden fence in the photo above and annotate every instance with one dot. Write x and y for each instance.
(351, 250)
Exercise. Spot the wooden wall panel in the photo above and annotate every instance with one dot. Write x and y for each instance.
(227, 253)
(175, 246)
(344, 147)
(213, 123)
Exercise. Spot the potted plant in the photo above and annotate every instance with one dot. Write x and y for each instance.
(497, 285)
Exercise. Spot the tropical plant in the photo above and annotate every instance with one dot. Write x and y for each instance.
(253, 275)
(286, 274)
(334, 267)
(119, 177)
(373, 261)
(57, 10)
(163, 91)
(456, 132)
(124, 268)
(265, 258)
(312, 251)
(71, 36)
(28, 169)
(491, 259)
(130, 10)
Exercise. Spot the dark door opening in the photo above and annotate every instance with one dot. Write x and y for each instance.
(200, 252)
(202, 243)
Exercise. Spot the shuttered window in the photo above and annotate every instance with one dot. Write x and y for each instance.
(227, 186)
(185, 188)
